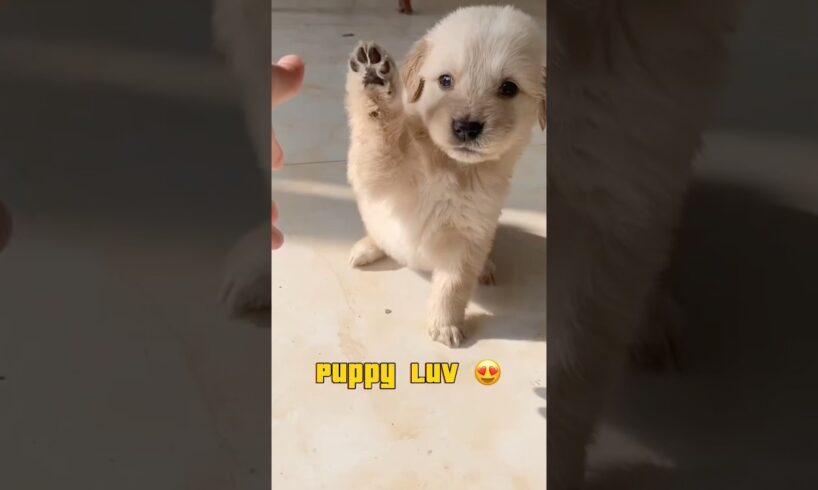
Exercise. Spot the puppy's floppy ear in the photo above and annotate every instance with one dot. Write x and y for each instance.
(412, 81)
(542, 102)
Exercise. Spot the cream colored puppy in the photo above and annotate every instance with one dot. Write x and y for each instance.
(433, 148)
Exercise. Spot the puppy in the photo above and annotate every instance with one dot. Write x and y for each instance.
(631, 86)
(434, 144)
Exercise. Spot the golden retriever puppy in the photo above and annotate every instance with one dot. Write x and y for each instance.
(631, 86)
(434, 144)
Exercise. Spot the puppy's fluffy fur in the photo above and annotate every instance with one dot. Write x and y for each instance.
(631, 85)
(428, 198)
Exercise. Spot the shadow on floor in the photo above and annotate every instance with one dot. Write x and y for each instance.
(518, 301)
(542, 392)
(516, 305)
(515, 311)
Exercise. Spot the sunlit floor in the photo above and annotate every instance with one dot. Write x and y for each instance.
(472, 436)
(463, 435)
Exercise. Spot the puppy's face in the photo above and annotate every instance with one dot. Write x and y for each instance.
(477, 81)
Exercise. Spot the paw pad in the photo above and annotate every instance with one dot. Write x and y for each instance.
(372, 62)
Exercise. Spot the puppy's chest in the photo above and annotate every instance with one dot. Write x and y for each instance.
(412, 225)
(442, 203)
(453, 201)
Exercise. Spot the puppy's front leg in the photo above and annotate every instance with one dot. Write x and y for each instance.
(374, 102)
(452, 285)
(447, 306)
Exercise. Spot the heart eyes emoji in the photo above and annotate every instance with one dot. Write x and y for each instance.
(487, 372)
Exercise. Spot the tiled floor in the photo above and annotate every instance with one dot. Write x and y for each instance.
(418, 436)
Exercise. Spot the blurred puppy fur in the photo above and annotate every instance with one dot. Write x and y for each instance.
(631, 87)
(434, 144)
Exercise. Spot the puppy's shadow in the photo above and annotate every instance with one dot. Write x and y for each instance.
(517, 303)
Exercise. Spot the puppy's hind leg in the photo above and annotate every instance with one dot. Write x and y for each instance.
(365, 252)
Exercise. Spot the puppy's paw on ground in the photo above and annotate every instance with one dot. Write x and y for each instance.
(450, 335)
(365, 252)
(373, 65)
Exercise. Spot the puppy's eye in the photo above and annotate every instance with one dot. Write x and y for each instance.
(509, 89)
(446, 81)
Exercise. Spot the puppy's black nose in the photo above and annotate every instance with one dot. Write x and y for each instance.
(466, 130)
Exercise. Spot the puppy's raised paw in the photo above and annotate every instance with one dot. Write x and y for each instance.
(374, 66)
(450, 335)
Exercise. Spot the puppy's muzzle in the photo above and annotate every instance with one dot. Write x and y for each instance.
(466, 130)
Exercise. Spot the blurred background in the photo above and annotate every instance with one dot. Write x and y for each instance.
(126, 165)
(740, 411)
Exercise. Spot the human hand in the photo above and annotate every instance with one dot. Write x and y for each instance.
(288, 75)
